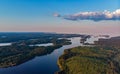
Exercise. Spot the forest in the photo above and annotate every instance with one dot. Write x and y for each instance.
(20, 51)
(100, 59)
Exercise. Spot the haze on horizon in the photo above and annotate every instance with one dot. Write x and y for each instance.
(61, 16)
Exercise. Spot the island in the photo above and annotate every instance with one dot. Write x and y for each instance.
(21, 50)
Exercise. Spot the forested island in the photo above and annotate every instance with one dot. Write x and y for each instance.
(19, 36)
(103, 58)
(20, 50)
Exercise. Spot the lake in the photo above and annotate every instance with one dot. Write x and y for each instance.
(46, 64)
(45, 44)
(5, 44)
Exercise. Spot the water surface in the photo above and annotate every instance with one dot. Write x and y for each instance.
(5, 44)
(46, 64)
(45, 44)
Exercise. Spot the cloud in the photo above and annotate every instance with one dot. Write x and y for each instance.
(56, 15)
(95, 16)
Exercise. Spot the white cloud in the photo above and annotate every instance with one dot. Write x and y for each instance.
(56, 15)
(95, 16)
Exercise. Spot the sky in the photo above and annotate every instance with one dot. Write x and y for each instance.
(61, 16)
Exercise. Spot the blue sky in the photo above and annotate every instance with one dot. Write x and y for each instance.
(37, 15)
(44, 8)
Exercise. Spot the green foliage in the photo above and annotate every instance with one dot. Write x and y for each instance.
(20, 51)
(14, 55)
(87, 60)
(45, 37)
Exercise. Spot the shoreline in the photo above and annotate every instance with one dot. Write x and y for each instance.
(29, 57)
(113, 67)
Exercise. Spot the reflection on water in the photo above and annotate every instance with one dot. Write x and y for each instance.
(5, 44)
(45, 44)
(42, 64)
(91, 40)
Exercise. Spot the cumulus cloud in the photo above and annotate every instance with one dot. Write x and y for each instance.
(95, 16)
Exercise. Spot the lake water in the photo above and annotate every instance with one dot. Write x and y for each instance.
(46, 44)
(5, 44)
(46, 64)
